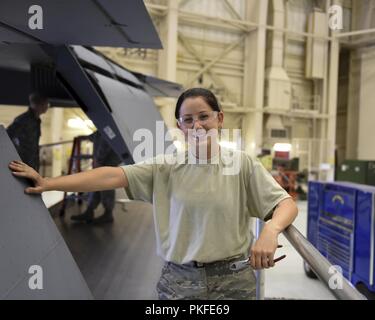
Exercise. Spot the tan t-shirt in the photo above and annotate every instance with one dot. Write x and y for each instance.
(202, 213)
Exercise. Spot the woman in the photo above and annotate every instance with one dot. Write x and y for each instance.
(201, 216)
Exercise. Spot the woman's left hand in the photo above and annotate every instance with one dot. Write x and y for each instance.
(263, 251)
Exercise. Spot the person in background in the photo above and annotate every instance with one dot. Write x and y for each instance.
(103, 156)
(25, 130)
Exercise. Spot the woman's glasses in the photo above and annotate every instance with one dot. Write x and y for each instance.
(203, 118)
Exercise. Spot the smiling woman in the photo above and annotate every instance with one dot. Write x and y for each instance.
(198, 113)
(201, 213)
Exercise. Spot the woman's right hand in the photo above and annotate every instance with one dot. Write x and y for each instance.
(20, 169)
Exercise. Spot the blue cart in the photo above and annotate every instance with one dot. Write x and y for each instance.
(341, 225)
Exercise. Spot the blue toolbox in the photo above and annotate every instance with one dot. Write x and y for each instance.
(341, 225)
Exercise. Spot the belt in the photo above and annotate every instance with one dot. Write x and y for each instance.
(196, 264)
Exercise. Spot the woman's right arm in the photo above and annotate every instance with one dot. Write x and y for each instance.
(103, 178)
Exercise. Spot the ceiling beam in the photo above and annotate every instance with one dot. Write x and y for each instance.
(232, 11)
(217, 59)
(216, 79)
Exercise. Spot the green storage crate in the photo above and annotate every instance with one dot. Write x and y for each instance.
(358, 171)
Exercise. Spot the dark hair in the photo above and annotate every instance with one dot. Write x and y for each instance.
(38, 98)
(207, 95)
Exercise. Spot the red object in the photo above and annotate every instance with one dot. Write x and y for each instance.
(75, 166)
(287, 179)
(282, 154)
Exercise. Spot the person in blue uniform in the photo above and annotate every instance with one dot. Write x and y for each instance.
(25, 130)
(103, 156)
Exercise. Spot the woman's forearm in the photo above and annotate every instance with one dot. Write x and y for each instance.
(284, 214)
(262, 253)
(103, 178)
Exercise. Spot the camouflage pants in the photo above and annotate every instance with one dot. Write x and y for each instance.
(212, 281)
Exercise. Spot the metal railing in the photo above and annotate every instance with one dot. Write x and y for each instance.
(320, 265)
(47, 145)
(46, 157)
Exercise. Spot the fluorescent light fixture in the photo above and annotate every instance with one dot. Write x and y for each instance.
(78, 123)
(325, 166)
(228, 144)
(89, 123)
(282, 147)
